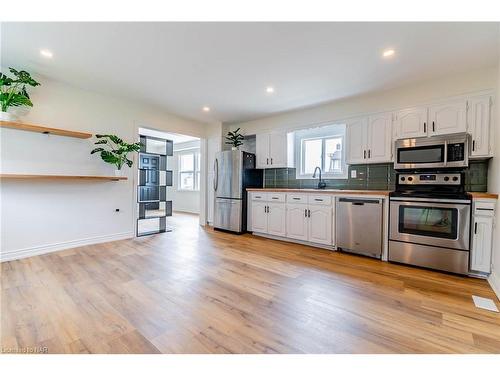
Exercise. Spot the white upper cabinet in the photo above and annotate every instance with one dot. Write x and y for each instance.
(478, 125)
(356, 140)
(370, 139)
(448, 118)
(262, 150)
(271, 150)
(380, 138)
(411, 123)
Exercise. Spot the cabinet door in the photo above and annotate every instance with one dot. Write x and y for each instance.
(262, 151)
(276, 219)
(296, 221)
(259, 217)
(481, 244)
(448, 118)
(320, 224)
(356, 141)
(380, 138)
(478, 120)
(411, 122)
(278, 150)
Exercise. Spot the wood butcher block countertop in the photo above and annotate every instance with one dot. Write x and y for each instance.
(475, 195)
(325, 191)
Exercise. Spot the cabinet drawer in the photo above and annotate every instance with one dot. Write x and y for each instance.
(322, 199)
(276, 197)
(296, 198)
(484, 208)
(259, 196)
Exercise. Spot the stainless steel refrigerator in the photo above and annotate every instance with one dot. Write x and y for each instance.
(234, 171)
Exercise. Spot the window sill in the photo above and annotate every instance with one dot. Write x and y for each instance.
(188, 191)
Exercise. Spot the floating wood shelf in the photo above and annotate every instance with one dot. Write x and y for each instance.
(58, 177)
(43, 129)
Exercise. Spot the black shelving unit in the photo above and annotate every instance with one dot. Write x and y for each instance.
(154, 178)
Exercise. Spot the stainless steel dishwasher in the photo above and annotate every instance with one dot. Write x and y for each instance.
(359, 225)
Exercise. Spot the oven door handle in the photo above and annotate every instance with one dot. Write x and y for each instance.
(431, 200)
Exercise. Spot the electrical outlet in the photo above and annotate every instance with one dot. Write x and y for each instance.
(353, 173)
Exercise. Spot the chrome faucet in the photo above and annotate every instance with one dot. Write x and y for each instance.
(321, 184)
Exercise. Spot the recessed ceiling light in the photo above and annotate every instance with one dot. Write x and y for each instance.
(269, 89)
(388, 53)
(206, 109)
(46, 53)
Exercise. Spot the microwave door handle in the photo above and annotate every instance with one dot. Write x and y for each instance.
(445, 153)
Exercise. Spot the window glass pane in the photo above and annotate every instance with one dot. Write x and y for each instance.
(187, 162)
(428, 221)
(312, 155)
(186, 180)
(333, 155)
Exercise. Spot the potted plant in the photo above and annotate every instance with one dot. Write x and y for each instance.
(235, 139)
(13, 92)
(115, 151)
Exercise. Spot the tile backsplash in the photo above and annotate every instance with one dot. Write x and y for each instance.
(368, 177)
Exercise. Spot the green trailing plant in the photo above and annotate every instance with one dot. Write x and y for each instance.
(235, 139)
(114, 150)
(13, 92)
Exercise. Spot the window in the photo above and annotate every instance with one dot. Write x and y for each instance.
(189, 170)
(321, 147)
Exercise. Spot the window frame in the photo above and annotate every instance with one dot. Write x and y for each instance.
(330, 131)
(196, 172)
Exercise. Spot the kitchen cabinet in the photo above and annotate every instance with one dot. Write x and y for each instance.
(410, 123)
(320, 224)
(482, 236)
(296, 221)
(268, 213)
(448, 118)
(370, 139)
(478, 125)
(271, 150)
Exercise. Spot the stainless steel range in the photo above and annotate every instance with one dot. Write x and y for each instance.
(430, 216)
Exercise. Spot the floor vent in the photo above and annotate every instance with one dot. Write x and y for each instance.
(485, 303)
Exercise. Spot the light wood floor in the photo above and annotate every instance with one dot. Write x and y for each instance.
(200, 291)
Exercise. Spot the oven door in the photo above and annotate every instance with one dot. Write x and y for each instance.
(433, 222)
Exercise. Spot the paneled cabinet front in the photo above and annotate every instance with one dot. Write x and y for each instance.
(369, 139)
(296, 221)
(271, 150)
(268, 213)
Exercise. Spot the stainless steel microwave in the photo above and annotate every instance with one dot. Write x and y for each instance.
(444, 151)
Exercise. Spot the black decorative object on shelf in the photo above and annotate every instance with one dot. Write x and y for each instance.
(153, 177)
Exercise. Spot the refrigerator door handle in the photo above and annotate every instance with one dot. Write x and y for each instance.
(216, 174)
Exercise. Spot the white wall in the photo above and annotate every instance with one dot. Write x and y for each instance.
(45, 216)
(376, 102)
(494, 187)
(182, 200)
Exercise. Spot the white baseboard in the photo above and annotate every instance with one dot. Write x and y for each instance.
(494, 281)
(44, 249)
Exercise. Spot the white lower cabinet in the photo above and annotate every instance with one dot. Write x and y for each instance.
(482, 236)
(296, 221)
(259, 216)
(320, 224)
(276, 219)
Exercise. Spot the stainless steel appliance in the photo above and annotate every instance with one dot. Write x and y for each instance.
(359, 226)
(429, 222)
(449, 151)
(234, 171)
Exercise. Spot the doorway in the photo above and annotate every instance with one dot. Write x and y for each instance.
(180, 191)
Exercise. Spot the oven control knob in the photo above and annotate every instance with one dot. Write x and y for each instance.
(446, 178)
(455, 178)
(410, 178)
(403, 178)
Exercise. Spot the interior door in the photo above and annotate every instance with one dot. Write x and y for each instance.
(276, 222)
(262, 151)
(320, 224)
(448, 118)
(356, 140)
(259, 216)
(380, 138)
(296, 221)
(411, 123)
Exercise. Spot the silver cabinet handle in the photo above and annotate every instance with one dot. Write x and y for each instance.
(369, 154)
(267, 160)
(364, 154)
(271, 160)
(305, 212)
(308, 213)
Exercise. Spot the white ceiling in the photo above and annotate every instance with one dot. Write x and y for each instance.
(175, 138)
(227, 66)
